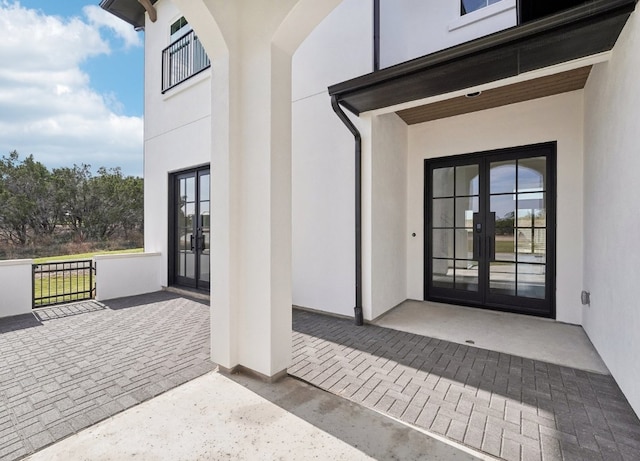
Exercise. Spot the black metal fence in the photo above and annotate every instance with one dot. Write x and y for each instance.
(63, 282)
(183, 59)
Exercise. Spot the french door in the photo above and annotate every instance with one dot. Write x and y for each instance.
(490, 229)
(189, 237)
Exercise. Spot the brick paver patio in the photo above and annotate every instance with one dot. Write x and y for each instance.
(506, 406)
(66, 368)
(69, 367)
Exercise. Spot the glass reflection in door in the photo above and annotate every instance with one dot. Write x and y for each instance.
(455, 201)
(190, 238)
(489, 229)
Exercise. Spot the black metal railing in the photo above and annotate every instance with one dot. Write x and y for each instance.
(183, 59)
(63, 282)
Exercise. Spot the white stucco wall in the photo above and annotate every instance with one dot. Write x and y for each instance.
(123, 275)
(555, 118)
(177, 131)
(323, 160)
(387, 213)
(16, 287)
(414, 28)
(184, 103)
(612, 162)
(339, 48)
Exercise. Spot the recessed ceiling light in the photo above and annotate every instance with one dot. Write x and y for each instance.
(475, 94)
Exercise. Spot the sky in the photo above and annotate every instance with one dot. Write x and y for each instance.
(71, 85)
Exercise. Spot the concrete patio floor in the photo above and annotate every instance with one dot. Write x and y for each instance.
(234, 417)
(70, 367)
(531, 337)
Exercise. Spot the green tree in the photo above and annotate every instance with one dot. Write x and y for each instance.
(28, 199)
(73, 191)
(505, 225)
(37, 203)
(117, 204)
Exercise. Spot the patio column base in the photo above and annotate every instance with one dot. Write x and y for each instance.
(241, 370)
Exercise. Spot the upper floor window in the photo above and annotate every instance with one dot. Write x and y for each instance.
(469, 6)
(179, 28)
(184, 57)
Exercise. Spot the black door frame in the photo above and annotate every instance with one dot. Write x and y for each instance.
(172, 228)
(481, 299)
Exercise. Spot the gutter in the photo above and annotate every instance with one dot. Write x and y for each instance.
(335, 104)
(588, 13)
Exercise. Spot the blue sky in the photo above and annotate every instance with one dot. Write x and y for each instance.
(71, 84)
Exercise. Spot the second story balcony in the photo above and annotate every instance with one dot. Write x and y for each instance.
(183, 59)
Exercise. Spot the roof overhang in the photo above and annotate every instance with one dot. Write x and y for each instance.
(526, 90)
(589, 29)
(130, 11)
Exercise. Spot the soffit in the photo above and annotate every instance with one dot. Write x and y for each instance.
(509, 94)
(128, 10)
(586, 30)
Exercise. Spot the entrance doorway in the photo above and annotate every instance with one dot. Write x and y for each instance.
(189, 235)
(490, 229)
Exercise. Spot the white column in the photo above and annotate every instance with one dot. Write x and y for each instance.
(250, 43)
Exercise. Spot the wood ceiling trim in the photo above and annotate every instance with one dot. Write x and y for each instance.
(518, 92)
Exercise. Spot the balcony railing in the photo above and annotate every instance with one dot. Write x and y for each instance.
(183, 59)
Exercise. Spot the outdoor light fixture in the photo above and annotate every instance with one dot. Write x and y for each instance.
(585, 297)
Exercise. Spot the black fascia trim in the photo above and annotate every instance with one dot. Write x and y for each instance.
(133, 12)
(590, 12)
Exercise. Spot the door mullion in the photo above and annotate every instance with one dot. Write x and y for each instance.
(196, 225)
(483, 262)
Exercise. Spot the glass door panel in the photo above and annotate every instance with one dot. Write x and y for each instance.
(502, 278)
(190, 241)
(489, 238)
(204, 230)
(456, 201)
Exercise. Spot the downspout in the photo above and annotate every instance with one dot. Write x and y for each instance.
(376, 35)
(359, 320)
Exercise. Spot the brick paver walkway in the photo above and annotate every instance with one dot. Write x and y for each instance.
(506, 406)
(69, 367)
(72, 366)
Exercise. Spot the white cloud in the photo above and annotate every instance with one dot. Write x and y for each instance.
(100, 18)
(47, 106)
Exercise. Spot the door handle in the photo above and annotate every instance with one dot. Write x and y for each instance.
(192, 245)
(491, 235)
(477, 236)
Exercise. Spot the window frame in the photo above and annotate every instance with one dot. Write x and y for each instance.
(487, 3)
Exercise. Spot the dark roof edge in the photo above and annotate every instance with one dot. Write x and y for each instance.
(513, 34)
(134, 15)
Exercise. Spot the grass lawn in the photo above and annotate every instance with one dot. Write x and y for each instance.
(59, 285)
(85, 255)
(504, 246)
(55, 286)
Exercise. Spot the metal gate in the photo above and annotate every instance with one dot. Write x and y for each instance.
(63, 282)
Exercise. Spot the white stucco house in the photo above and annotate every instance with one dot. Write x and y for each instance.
(357, 153)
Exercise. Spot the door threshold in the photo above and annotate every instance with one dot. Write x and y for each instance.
(191, 292)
